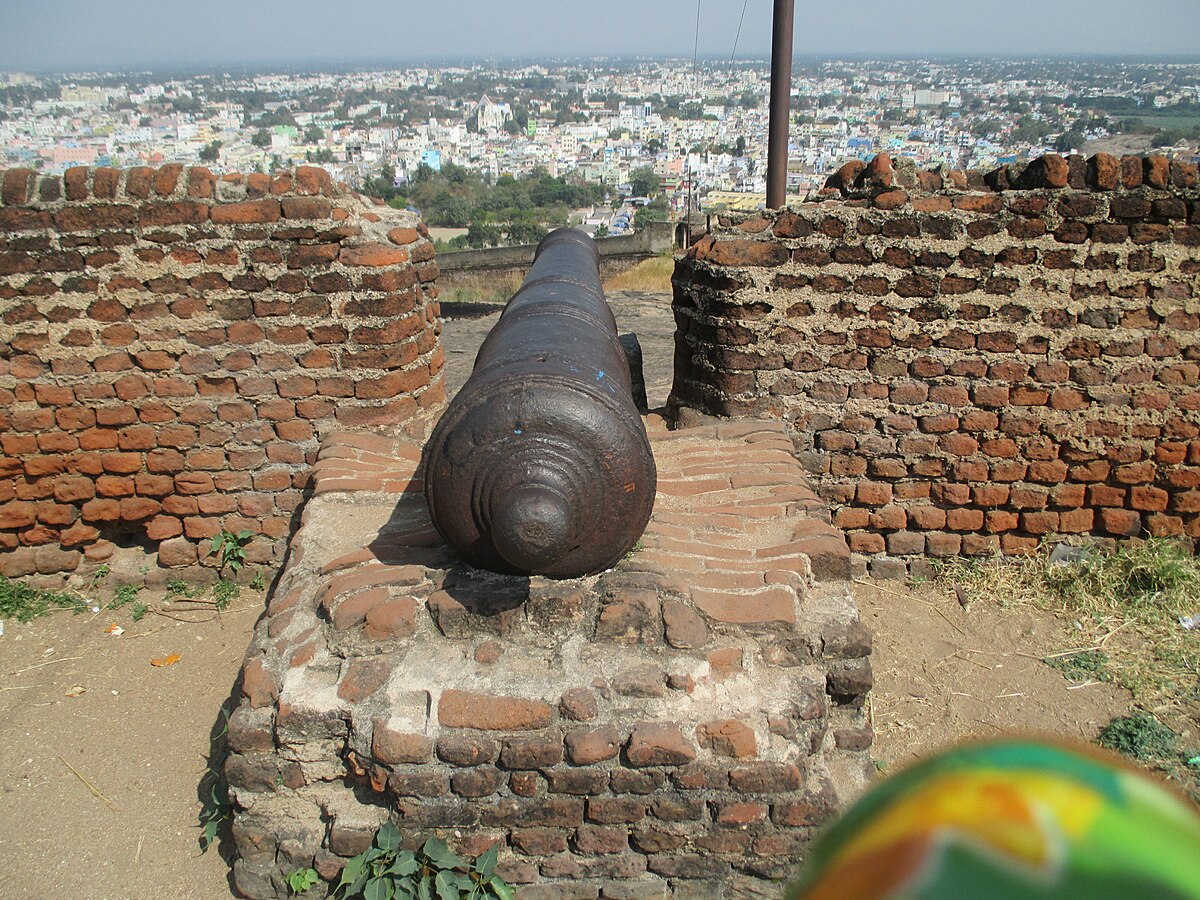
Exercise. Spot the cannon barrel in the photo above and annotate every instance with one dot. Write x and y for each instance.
(540, 464)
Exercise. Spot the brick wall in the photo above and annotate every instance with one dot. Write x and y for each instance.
(968, 363)
(173, 344)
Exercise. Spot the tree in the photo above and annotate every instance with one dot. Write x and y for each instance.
(482, 235)
(643, 182)
(261, 139)
(739, 146)
(210, 152)
(1069, 140)
(525, 232)
(654, 146)
(654, 211)
(313, 134)
(986, 127)
(601, 231)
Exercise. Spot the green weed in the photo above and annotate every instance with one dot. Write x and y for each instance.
(1086, 665)
(177, 587)
(21, 602)
(302, 879)
(124, 594)
(1140, 736)
(386, 871)
(230, 548)
(216, 809)
(224, 592)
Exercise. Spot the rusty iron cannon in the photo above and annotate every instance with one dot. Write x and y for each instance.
(540, 464)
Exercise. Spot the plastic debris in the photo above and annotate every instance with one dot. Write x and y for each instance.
(114, 630)
(1190, 622)
(166, 660)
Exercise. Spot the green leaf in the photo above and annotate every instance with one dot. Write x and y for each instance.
(244, 535)
(424, 889)
(217, 541)
(405, 864)
(371, 854)
(351, 870)
(502, 888)
(486, 863)
(446, 888)
(388, 837)
(378, 889)
(437, 851)
(210, 832)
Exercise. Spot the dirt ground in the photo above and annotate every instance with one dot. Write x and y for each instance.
(102, 754)
(81, 710)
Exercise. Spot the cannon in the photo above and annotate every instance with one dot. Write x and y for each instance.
(540, 465)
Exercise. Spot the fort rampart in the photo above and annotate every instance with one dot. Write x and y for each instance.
(968, 363)
(175, 343)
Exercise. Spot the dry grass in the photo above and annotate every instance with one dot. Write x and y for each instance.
(483, 287)
(1126, 604)
(653, 276)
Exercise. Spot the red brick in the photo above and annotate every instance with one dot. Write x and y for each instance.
(592, 745)
(372, 255)
(247, 212)
(364, 676)
(769, 605)
(658, 744)
(728, 737)
(1120, 521)
(464, 709)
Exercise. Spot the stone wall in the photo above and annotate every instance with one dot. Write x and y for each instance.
(968, 363)
(174, 344)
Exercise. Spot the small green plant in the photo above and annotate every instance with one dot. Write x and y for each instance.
(124, 594)
(1086, 665)
(259, 581)
(384, 872)
(21, 602)
(99, 575)
(1140, 736)
(138, 611)
(177, 587)
(216, 809)
(302, 879)
(224, 591)
(230, 548)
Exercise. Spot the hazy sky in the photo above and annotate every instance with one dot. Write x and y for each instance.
(89, 34)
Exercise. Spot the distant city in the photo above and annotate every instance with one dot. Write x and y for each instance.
(494, 155)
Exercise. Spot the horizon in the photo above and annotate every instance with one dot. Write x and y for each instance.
(315, 66)
(139, 35)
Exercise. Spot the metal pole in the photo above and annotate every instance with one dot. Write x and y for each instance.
(780, 111)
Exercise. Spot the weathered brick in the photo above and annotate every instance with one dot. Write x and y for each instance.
(465, 709)
(658, 744)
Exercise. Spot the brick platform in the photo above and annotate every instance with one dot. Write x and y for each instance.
(676, 726)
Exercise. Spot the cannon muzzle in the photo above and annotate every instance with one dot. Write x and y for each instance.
(540, 465)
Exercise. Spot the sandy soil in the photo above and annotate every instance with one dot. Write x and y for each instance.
(83, 710)
(83, 713)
